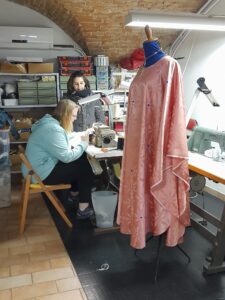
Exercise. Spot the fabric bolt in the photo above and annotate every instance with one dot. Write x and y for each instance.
(154, 184)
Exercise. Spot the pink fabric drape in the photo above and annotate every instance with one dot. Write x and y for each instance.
(153, 194)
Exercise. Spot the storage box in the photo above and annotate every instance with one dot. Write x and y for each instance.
(67, 72)
(15, 162)
(23, 123)
(46, 85)
(27, 93)
(23, 127)
(79, 58)
(27, 84)
(8, 102)
(28, 100)
(13, 68)
(37, 68)
(47, 100)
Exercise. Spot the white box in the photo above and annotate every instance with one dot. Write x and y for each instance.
(10, 102)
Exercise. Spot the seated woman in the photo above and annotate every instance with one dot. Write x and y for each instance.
(55, 161)
(78, 87)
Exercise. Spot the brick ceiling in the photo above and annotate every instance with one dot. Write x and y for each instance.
(98, 25)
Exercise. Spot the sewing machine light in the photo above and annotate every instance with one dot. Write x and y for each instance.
(205, 90)
(89, 99)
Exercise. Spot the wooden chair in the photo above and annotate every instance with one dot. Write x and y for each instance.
(39, 187)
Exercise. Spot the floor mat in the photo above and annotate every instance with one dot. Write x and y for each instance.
(109, 269)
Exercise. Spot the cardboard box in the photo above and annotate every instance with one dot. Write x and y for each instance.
(13, 68)
(15, 162)
(37, 68)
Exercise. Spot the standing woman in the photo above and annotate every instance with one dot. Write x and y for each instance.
(55, 161)
(78, 87)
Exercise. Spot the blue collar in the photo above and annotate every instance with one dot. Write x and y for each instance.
(153, 52)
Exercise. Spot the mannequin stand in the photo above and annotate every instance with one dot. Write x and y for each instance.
(159, 246)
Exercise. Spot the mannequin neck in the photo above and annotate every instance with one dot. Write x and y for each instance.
(153, 52)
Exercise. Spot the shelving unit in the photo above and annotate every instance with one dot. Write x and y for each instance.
(34, 111)
(15, 77)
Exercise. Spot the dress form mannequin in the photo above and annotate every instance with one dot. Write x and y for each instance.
(155, 177)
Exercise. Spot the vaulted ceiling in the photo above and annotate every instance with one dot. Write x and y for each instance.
(98, 25)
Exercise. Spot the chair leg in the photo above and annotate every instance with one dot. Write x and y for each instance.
(21, 199)
(55, 202)
(25, 199)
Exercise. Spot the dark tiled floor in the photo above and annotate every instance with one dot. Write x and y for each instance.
(132, 277)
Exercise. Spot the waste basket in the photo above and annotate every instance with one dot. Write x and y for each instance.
(104, 204)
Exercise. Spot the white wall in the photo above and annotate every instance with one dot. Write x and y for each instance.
(204, 56)
(12, 14)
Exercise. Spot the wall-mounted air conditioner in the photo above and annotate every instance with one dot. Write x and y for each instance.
(26, 37)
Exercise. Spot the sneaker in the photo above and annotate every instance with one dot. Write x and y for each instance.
(85, 214)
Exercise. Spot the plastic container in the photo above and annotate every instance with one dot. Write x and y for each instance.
(104, 204)
(5, 186)
(4, 147)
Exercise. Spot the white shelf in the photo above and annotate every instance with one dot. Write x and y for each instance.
(18, 142)
(28, 106)
(29, 74)
(15, 172)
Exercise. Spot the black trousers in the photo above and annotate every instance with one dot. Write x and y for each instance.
(78, 173)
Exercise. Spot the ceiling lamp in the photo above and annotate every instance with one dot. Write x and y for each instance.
(170, 20)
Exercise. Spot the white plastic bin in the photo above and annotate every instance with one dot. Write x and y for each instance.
(4, 147)
(104, 204)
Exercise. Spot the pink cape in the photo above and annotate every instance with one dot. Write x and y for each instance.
(154, 183)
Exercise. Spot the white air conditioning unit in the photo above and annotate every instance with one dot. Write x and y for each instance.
(26, 37)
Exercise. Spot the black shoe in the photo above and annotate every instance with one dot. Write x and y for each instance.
(85, 214)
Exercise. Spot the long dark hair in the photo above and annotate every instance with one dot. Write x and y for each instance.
(75, 74)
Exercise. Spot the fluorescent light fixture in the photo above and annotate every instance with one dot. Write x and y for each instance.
(170, 20)
(89, 99)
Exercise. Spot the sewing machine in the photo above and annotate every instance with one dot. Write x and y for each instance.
(203, 139)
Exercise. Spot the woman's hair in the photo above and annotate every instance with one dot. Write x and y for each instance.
(63, 113)
(75, 74)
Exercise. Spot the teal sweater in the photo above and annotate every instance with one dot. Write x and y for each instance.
(48, 144)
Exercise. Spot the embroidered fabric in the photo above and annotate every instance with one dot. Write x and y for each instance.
(155, 178)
